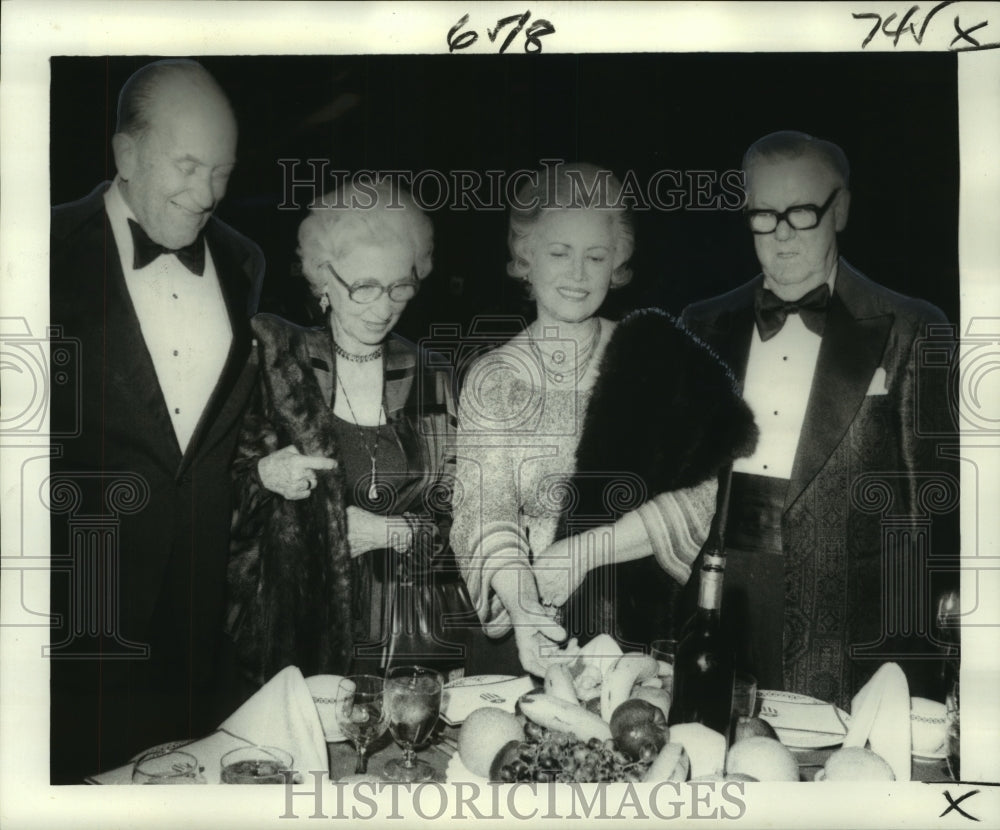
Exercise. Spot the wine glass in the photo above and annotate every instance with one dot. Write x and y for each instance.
(665, 652)
(413, 701)
(361, 713)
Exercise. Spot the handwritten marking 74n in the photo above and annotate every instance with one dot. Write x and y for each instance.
(908, 24)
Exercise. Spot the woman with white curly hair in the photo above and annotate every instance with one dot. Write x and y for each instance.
(345, 460)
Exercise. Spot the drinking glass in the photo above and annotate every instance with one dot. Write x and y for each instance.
(953, 738)
(744, 700)
(257, 765)
(361, 712)
(665, 651)
(167, 767)
(413, 700)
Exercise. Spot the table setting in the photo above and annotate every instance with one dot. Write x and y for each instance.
(601, 719)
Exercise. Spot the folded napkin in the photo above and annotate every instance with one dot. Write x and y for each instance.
(281, 714)
(462, 698)
(880, 716)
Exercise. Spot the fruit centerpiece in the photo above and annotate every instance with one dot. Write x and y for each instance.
(600, 718)
(603, 718)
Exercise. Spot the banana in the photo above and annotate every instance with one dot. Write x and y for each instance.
(559, 682)
(628, 670)
(672, 764)
(592, 664)
(555, 713)
(602, 652)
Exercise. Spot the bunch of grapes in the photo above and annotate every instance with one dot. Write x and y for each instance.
(547, 756)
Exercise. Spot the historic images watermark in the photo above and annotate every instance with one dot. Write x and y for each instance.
(308, 182)
(526, 801)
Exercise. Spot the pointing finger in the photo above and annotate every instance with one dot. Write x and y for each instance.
(317, 462)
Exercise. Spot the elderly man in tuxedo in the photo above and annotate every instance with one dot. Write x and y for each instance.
(827, 533)
(158, 293)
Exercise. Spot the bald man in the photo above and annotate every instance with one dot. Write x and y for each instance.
(830, 562)
(159, 294)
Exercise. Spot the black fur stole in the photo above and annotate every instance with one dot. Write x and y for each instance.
(665, 414)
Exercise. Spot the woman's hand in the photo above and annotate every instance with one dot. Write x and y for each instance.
(290, 474)
(559, 570)
(369, 531)
(536, 633)
(538, 636)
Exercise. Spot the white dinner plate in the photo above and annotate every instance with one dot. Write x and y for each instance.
(825, 726)
(466, 694)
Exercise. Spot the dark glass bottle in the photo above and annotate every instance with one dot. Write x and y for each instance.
(703, 668)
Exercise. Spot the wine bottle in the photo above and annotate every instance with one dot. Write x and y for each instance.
(704, 666)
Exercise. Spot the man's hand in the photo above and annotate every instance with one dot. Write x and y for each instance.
(290, 474)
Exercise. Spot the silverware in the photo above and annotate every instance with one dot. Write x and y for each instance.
(446, 745)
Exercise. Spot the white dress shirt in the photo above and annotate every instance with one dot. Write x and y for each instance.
(183, 318)
(778, 381)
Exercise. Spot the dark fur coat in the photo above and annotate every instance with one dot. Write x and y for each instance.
(664, 415)
(292, 597)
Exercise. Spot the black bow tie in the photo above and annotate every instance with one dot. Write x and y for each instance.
(771, 311)
(191, 257)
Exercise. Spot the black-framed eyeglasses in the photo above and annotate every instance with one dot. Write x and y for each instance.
(369, 292)
(798, 217)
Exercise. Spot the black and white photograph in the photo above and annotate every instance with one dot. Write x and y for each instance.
(573, 412)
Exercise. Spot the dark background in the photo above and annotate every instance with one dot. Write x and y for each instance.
(896, 116)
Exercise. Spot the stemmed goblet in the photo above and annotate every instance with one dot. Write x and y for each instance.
(361, 713)
(413, 700)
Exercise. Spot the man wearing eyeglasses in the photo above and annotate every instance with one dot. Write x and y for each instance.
(827, 362)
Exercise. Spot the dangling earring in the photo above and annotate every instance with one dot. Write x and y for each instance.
(324, 303)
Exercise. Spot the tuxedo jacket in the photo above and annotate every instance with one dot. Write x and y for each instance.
(140, 529)
(870, 500)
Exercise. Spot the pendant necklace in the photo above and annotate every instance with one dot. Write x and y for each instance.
(373, 452)
(583, 358)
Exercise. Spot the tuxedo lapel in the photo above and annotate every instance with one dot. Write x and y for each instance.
(226, 401)
(127, 362)
(852, 348)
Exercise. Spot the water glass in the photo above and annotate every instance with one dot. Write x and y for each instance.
(413, 701)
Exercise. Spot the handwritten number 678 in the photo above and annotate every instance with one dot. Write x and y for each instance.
(532, 35)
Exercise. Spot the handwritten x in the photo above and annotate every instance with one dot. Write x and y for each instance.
(953, 804)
